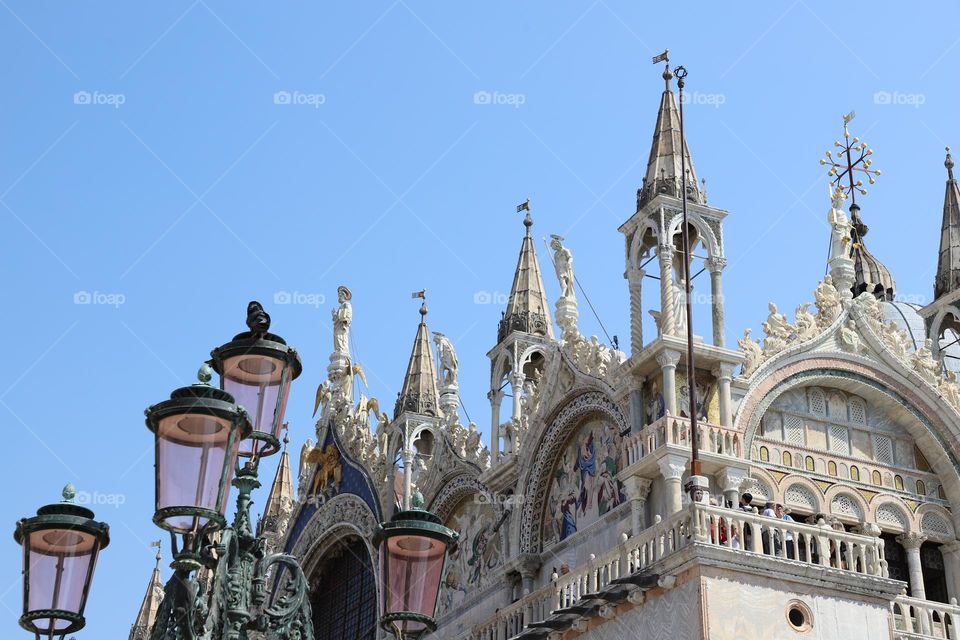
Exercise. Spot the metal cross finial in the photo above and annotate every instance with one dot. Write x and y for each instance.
(854, 156)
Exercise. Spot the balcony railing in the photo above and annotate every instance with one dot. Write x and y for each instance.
(914, 618)
(675, 431)
(698, 523)
(810, 544)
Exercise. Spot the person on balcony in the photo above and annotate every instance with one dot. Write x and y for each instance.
(770, 537)
(782, 515)
(745, 505)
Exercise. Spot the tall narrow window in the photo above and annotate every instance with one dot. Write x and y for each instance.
(793, 430)
(883, 449)
(345, 600)
(839, 439)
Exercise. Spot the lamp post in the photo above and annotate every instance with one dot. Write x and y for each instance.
(218, 590)
(60, 548)
(413, 550)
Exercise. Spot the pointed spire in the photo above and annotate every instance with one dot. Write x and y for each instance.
(143, 625)
(664, 165)
(419, 391)
(948, 266)
(281, 492)
(527, 308)
(871, 276)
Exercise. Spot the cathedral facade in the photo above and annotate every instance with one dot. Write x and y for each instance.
(572, 516)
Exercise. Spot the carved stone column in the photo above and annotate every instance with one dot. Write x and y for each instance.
(407, 474)
(635, 281)
(724, 374)
(912, 542)
(637, 490)
(668, 366)
(668, 325)
(529, 565)
(516, 383)
(716, 265)
(951, 567)
(495, 396)
(672, 468)
(730, 480)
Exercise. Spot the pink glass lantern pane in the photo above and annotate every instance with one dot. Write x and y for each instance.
(414, 565)
(59, 562)
(191, 457)
(254, 382)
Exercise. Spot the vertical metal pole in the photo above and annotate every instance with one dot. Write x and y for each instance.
(681, 73)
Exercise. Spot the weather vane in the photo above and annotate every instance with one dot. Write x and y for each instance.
(854, 156)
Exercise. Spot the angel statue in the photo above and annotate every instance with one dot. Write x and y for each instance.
(563, 263)
(449, 365)
(342, 317)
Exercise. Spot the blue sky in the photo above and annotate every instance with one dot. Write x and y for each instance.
(147, 159)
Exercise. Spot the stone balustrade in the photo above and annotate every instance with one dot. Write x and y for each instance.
(700, 524)
(675, 431)
(812, 544)
(916, 619)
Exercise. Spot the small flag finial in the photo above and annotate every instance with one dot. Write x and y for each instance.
(663, 57)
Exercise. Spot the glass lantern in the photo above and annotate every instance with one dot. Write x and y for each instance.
(413, 550)
(60, 548)
(198, 433)
(257, 370)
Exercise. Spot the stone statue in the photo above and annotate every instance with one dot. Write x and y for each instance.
(473, 442)
(563, 263)
(449, 365)
(805, 323)
(840, 224)
(849, 337)
(895, 339)
(870, 310)
(924, 364)
(342, 317)
(777, 330)
(828, 302)
(753, 354)
(951, 390)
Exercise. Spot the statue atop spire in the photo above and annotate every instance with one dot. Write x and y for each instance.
(847, 169)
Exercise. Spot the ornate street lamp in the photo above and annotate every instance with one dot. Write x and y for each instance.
(219, 587)
(60, 548)
(257, 367)
(198, 433)
(413, 549)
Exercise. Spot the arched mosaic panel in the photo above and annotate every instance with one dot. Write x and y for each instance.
(479, 552)
(584, 485)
